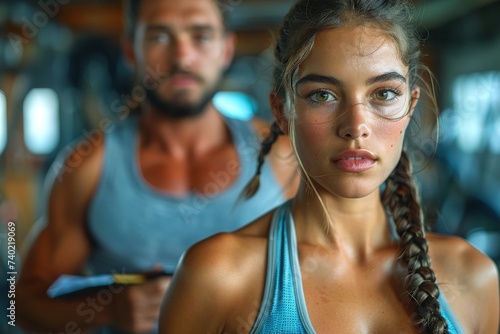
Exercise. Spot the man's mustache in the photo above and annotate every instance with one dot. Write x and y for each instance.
(184, 73)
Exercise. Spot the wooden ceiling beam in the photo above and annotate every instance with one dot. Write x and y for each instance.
(103, 19)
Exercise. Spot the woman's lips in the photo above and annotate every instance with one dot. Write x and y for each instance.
(354, 161)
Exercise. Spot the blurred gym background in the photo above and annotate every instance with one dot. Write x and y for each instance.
(62, 74)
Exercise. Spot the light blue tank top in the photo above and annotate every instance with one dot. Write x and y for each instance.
(135, 227)
(283, 309)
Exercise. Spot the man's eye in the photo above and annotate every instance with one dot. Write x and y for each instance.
(159, 38)
(203, 37)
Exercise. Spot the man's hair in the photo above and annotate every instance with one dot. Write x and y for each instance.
(131, 11)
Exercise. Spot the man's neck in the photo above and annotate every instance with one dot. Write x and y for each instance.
(182, 137)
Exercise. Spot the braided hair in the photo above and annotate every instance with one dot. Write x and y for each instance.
(252, 186)
(401, 198)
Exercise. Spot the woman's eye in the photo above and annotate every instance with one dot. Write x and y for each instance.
(386, 95)
(321, 96)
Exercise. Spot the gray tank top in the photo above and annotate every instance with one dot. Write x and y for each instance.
(135, 227)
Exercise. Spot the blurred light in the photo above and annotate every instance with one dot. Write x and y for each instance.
(41, 120)
(494, 138)
(12, 47)
(3, 121)
(469, 127)
(473, 96)
(488, 242)
(495, 109)
(235, 104)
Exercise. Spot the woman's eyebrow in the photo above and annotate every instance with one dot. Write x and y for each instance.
(317, 78)
(386, 77)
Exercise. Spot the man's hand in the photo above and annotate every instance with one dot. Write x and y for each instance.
(137, 307)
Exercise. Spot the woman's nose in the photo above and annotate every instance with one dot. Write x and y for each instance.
(352, 124)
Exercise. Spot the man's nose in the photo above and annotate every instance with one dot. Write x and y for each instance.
(184, 53)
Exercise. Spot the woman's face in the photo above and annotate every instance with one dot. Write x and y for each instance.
(351, 110)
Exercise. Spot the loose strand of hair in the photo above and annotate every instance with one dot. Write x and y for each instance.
(291, 129)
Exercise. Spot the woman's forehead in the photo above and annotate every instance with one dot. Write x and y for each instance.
(345, 50)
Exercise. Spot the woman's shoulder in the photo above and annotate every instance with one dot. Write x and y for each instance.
(213, 277)
(223, 257)
(469, 280)
(457, 255)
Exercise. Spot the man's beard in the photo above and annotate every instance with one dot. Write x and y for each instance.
(178, 110)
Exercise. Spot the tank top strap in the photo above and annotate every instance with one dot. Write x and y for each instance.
(283, 307)
(242, 131)
(246, 142)
(454, 326)
(119, 144)
(272, 276)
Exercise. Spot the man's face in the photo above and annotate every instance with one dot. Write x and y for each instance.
(180, 51)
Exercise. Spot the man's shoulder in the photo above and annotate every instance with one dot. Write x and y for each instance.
(86, 152)
(78, 160)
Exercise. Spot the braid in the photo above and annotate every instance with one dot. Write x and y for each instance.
(252, 186)
(401, 197)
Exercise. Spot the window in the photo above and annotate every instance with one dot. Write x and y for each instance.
(3, 121)
(235, 104)
(41, 120)
(476, 103)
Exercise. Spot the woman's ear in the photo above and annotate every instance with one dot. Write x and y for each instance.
(278, 109)
(415, 95)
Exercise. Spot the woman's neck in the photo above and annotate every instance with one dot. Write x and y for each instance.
(356, 226)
